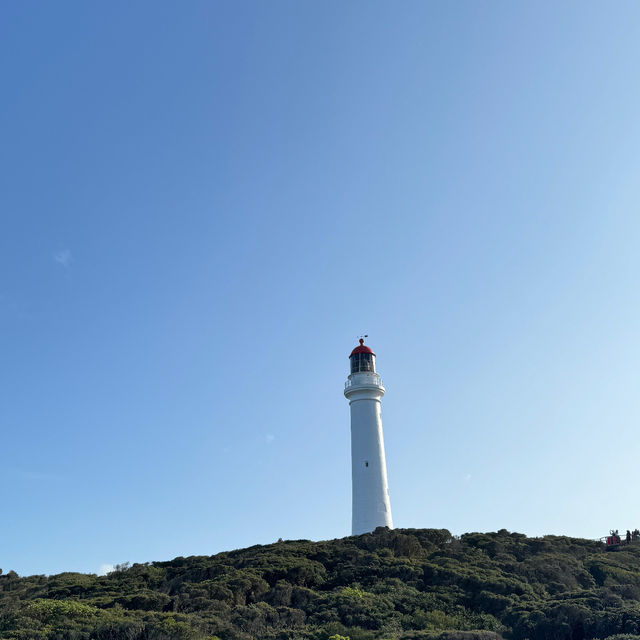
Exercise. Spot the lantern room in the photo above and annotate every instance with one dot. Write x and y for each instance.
(362, 358)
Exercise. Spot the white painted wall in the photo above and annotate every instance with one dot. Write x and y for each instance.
(371, 505)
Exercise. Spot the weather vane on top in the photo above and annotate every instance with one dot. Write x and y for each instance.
(361, 338)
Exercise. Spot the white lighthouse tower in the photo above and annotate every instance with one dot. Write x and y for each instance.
(370, 493)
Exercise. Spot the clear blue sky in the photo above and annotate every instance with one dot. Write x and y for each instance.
(203, 204)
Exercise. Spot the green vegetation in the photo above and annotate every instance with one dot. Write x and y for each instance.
(397, 585)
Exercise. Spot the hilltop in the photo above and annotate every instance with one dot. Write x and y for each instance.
(396, 585)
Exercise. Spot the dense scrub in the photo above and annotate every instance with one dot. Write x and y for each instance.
(400, 585)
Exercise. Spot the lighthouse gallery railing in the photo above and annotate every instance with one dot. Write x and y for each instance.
(372, 382)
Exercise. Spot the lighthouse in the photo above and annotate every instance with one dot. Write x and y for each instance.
(370, 489)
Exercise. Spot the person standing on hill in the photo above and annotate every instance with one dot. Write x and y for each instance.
(628, 536)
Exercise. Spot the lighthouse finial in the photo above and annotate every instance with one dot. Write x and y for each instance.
(361, 341)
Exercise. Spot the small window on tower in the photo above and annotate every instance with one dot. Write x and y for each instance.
(366, 464)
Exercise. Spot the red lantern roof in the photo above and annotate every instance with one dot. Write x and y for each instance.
(361, 349)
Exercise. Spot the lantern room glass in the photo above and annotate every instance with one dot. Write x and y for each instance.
(363, 362)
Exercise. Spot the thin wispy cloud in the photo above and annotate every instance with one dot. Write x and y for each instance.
(63, 258)
(269, 438)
